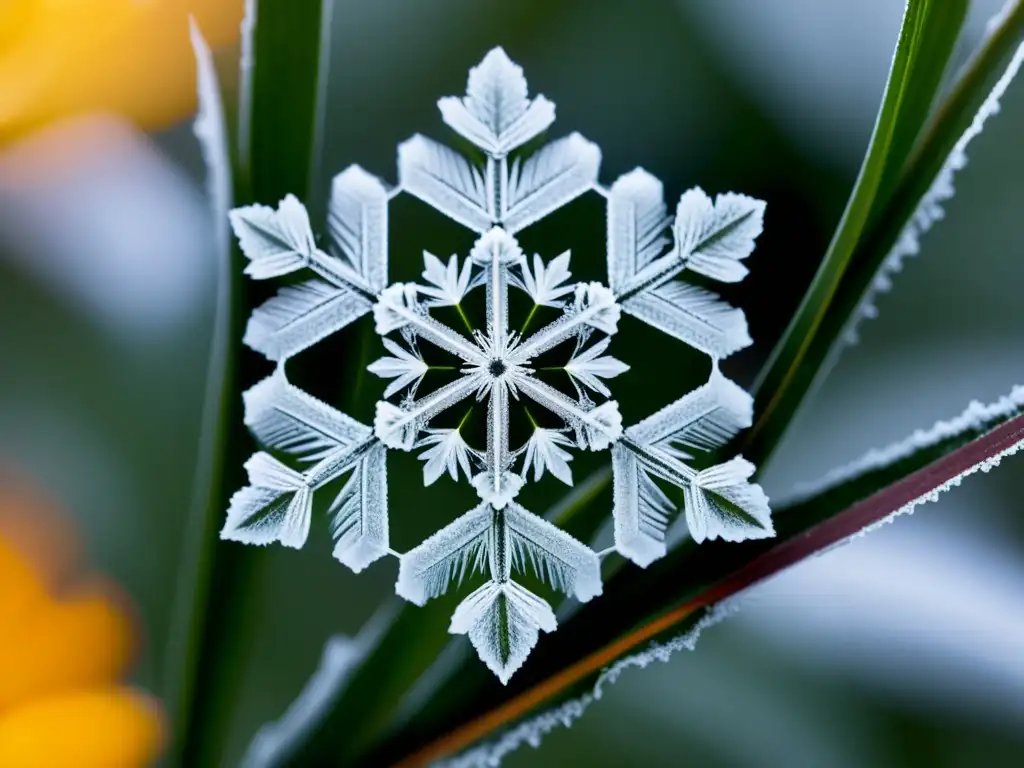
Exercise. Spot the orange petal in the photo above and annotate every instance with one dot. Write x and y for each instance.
(102, 728)
(81, 641)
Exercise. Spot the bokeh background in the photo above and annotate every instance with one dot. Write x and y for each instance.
(904, 648)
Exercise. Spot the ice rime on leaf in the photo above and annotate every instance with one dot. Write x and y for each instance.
(931, 207)
(509, 185)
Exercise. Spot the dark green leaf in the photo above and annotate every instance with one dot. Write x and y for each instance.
(192, 599)
(280, 129)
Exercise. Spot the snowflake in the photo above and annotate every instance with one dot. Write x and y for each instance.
(647, 249)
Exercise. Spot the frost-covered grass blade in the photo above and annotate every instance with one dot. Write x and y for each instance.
(638, 608)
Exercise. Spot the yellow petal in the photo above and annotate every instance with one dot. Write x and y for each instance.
(103, 728)
(38, 550)
(80, 641)
(60, 57)
(20, 587)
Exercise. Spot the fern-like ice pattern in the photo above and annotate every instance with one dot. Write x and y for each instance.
(648, 251)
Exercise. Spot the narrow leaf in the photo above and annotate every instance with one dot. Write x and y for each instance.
(927, 37)
(192, 592)
(285, 50)
(929, 210)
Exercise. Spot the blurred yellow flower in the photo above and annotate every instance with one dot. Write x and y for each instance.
(64, 644)
(132, 57)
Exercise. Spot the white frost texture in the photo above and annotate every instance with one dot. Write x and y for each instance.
(649, 250)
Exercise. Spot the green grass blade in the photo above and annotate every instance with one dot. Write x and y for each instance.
(281, 129)
(973, 99)
(927, 38)
(644, 606)
(284, 93)
(192, 593)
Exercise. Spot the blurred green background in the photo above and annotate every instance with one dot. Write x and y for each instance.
(904, 648)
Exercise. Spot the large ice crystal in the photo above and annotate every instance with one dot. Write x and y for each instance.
(648, 251)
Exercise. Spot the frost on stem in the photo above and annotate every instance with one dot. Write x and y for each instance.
(650, 252)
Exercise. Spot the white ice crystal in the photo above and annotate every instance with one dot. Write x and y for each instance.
(648, 251)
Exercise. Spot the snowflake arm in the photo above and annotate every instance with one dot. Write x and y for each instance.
(399, 308)
(694, 316)
(596, 428)
(275, 506)
(593, 307)
(359, 521)
(283, 417)
(503, 621)
(553, 555)
(301, 315)
(545, 284)
(357, 219)
(445, 180)
(710, 238)
(722, 504)
(703, 420)
(397, 427)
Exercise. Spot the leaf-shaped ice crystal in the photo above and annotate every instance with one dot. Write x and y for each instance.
(498, 370)
(503, 621)
(714, 239)
(496, 114)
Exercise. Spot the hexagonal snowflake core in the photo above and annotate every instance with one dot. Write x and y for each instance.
(499, 538)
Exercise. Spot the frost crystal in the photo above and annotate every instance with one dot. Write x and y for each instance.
(648, 250)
